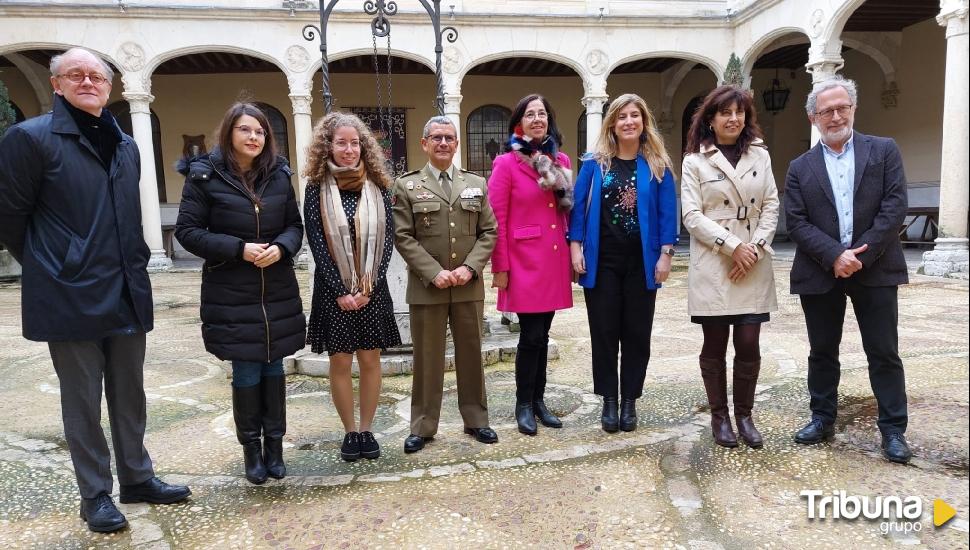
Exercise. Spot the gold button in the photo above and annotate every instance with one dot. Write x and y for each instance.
(553, 226)
(454, 255)
(550, 205)
(452, 224)
(425, 209)
(452, 239)
(555, 247)
(450, 209)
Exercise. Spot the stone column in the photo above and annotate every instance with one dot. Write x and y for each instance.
(453, 111)
(821, 69)
(303, 135)
(594, 117)
(151, 213)
(950, 256)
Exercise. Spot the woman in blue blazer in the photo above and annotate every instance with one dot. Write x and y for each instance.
(622, 234)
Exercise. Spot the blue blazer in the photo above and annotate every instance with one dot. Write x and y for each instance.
(656, 212)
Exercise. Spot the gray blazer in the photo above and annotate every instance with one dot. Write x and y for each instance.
(878, 209)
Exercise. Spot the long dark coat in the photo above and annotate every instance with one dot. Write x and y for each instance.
(75, 227)
(248, 313)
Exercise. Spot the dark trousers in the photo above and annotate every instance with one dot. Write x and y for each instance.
(620, 311)
(81, 366)
(876, 309)
(531, 356)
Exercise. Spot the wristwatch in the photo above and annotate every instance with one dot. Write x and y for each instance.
(668, 251)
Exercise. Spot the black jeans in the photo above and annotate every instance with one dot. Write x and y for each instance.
(620, 311)
(876, 309)
(531, 356)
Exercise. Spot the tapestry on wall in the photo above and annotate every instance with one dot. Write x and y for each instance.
(395, 145)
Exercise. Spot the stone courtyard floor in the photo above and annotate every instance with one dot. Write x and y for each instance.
(665, 485)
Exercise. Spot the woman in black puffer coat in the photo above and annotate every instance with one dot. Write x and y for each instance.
(239, 213)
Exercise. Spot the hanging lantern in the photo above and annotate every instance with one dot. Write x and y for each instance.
(776, 97)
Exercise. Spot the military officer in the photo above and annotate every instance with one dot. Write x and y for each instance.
(445, 231)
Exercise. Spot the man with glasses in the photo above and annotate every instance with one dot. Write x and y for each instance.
(445, 231)
(845, 200)
(70, 214)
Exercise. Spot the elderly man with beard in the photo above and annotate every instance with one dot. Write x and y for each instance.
(845, 200)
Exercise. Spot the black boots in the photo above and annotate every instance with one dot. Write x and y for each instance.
(628, 414)
(525, 417)
(745, 381)
(545, 416)
(247, 413)
(610, 420)
(714, 373)
(273, 390)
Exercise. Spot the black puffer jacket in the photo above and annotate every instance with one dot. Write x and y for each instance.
(248, 313)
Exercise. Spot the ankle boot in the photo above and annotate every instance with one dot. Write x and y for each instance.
(246, 412)
(628, 414)
(714, 373)
(274, 424)
(546, 417)
(609, 419)
(525, 417)
(745, 381)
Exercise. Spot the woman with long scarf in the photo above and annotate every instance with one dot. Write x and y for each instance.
(347, 212)
(530, 191)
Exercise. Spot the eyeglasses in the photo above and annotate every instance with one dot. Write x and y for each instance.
(78, 77)
(346, 145)
(441, 139)
(246, 130)
(827, 114)
(532, 116)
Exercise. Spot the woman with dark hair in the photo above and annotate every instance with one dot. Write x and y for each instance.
(239, 214)
(530, 191)
(622, 242)
(730, 207)
(351, 234)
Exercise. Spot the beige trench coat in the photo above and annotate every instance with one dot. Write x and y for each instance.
(723, 207)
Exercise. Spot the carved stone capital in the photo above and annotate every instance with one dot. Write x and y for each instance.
(889, 95)
(138, 102)
(953, 16)
(301, 104)
(453, 104)
(595, 103)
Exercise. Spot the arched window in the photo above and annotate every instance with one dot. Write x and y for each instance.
(486, 129)
(121, 111)
(278, 122)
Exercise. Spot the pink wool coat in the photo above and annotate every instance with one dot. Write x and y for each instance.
(532, 244)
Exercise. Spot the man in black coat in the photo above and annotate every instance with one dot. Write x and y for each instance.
(845, 200)
(70, 214)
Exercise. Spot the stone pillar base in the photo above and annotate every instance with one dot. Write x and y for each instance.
(159, 261)
(950, 258)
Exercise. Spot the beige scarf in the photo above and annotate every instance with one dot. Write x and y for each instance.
(358, 257)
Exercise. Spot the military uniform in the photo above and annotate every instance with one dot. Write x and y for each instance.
(435, 231)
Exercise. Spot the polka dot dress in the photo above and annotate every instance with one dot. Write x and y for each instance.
(331, 328)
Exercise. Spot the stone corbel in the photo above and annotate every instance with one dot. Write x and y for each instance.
(889, 94)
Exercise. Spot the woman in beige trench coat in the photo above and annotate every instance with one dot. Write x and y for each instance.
(730, 207)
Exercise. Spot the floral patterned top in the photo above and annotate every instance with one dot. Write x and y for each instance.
(618, 218)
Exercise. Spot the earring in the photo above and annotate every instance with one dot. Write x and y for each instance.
(710, 127)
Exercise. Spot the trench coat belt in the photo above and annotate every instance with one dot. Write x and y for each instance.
(738, 213)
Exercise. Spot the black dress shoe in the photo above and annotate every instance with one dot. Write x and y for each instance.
(483, 435)
(525, 417)
(101, 514)
(609, 418)
(154, 491)
(368, 446)
(895, 449)
(415, 443)
(815, 431)
(545, 416)
(628, 414)
(350, 449)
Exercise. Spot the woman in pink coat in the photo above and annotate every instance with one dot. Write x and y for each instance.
(530, 191)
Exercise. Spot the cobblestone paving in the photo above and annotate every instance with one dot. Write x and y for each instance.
(665, 485)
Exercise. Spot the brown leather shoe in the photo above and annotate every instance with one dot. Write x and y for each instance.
(745, 381)
(714, 373)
